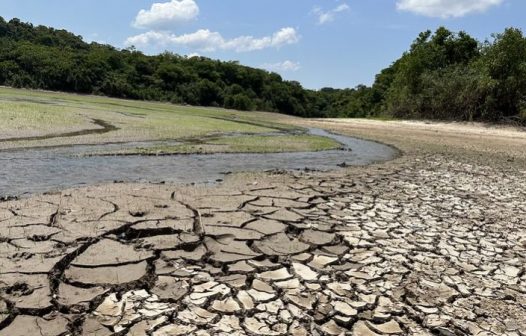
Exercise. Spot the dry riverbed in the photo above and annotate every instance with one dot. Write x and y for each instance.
(433, 242)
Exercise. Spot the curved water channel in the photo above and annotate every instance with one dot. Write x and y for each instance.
(27, 171)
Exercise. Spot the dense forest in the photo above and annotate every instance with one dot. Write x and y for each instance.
(444, 75)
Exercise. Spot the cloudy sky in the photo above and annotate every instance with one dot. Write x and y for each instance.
(338, 43)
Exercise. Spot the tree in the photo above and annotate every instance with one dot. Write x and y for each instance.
(443, 75)
(239, 102)
(505, 62)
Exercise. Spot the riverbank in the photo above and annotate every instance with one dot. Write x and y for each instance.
(502, 145)
(429, 243)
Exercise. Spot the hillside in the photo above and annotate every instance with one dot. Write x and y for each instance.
(444, 75)
(46, 58)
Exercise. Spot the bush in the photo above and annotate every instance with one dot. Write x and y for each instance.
(455, 93)
(239, 102)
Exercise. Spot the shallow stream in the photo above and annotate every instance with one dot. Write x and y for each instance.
(27, 171)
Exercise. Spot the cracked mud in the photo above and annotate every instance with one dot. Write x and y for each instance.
(432, 246)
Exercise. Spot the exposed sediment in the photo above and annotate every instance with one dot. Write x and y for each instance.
(424, 246)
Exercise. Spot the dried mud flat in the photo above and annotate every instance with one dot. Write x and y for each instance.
(427, 244)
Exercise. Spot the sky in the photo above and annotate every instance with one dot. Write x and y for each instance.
(320, 43)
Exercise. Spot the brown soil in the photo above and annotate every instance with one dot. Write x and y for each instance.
(430, 243)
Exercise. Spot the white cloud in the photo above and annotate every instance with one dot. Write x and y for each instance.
(446, 8)
(167, 14)
(282, 66)
(329, 16)
(208, 41)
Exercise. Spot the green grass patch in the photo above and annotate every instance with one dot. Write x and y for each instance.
(26, 113)
(286, 143)
(239, 144)
(24, 117)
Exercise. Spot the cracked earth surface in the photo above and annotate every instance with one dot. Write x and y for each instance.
(425, 246)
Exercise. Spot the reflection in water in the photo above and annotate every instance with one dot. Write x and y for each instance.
(41, 170)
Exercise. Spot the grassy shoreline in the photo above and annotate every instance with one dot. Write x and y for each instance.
(227, 145)
(33, 119)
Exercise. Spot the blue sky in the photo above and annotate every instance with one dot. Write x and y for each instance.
(320, 43)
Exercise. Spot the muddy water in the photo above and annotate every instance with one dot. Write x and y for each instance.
(40, 170)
